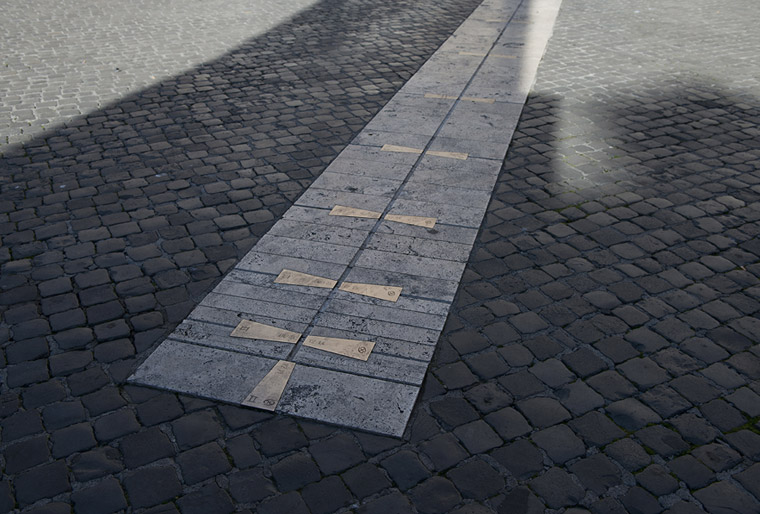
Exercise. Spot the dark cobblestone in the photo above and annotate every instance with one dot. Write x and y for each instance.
(724, 495)
(435, 495)
(521, 458)
(150, 486)
(405, 469)
(557, 488)
(203, 462)
(145, 447)
(559, 443)
(43, 481)
(210, 498)
(115, 424)
(326, 496)
(105, 497)
(26, 454)
(597, 473)
(75, 438)
(295, 471)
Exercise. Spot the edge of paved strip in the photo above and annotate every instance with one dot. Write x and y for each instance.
(433, 152)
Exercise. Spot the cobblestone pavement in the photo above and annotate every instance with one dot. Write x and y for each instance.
(68, 61)
(601, 354)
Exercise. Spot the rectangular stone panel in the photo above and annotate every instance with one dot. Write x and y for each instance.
(454, 178)
(421, 116)
(258, 308)
(319, 233)
(385, 312)
(257, 285)
(374, 186)
(371, 327)
(448, 214)
(446, 154)
(202, 371)
(417, 221)
(370, 168)
(274, 296)
(322, 216)
(380, 366)
(378, 138)
(493, 150)
(386, 345)
(408, 303)
(441, 232)
(202, 333)
(230, 319)
(326, 199)
(439, 82)
(349, 400)
(423, 287)
(481, 122)
(415, 246)
(312, 250)
(353, 212)
(410, 264)
(368, 153)
(472, 166)
(273, 264)
(379, 291)
(448, 195)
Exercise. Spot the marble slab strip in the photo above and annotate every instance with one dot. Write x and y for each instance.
(457, 113)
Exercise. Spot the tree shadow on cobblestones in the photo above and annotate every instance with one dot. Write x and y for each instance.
(118, 221)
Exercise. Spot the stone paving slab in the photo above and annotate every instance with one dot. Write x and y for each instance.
(456, 126)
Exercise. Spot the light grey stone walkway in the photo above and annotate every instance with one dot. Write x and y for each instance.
(432, 154)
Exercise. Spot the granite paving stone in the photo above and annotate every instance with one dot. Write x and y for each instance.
(638, 500)
(629, 454)
(597, 473)
(405, 469)
(476, 479)
(105, 497)
(250, 486)
(557, 488)
(724, 496)
(435, 495)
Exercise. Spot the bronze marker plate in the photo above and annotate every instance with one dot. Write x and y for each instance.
(390, 293)
(449, 155)
(419, 221)
(296, 278)
(347, 347)
(402, 149)
(340, 210)
(253, 330)
(266, 395)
